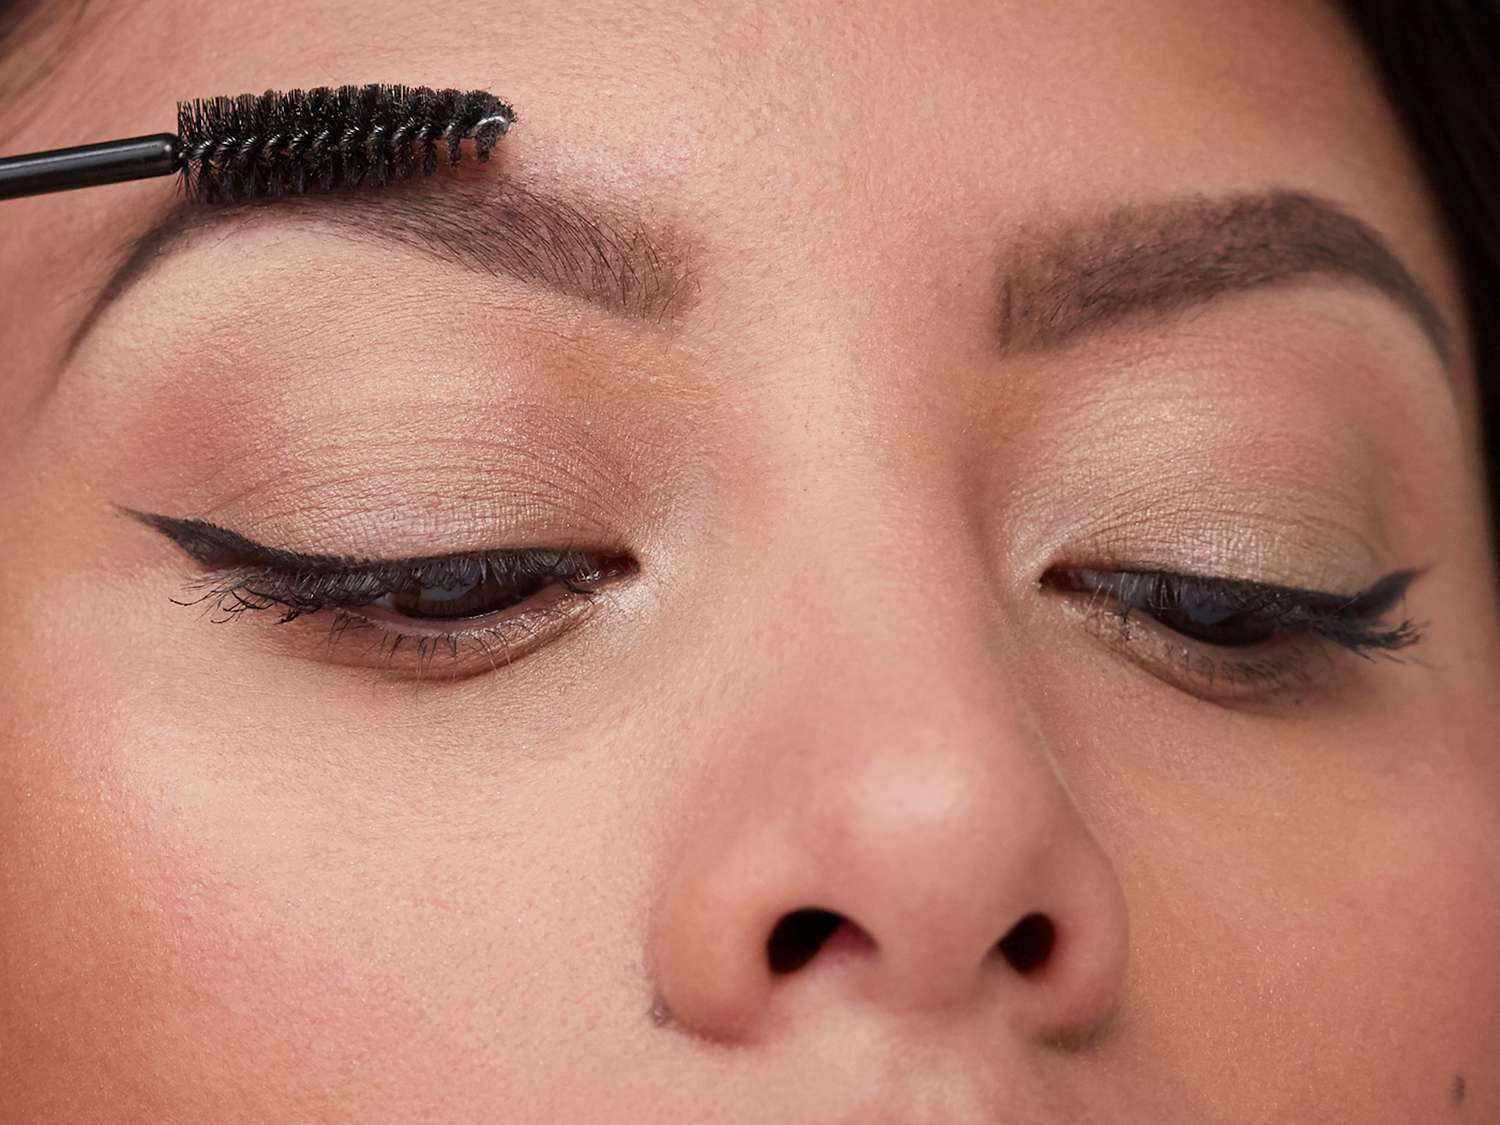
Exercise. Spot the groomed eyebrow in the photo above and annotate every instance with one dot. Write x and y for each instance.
(1087, 273)
(496, 228)
(1059, 278)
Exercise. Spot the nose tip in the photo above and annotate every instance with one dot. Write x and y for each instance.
(777, 924)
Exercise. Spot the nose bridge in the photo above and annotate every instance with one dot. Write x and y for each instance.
(895, 681)
(894, 716)
(894, 626)
(881, 625)
(884, 561)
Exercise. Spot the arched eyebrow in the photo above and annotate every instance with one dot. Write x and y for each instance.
(1084, 274)
(1058, 279)
(498, 228)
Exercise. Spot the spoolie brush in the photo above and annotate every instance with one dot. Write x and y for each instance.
(277, 143)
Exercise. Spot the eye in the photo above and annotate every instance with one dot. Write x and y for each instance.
(1215, 613)
(479, 613)
(482, 609)
(1230, 637)
(476, 588)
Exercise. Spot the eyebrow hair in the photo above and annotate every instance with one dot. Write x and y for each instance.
(497, 228)
(1077, 275)
(1164, 256)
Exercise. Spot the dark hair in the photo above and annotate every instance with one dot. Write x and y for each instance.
(1440, 60)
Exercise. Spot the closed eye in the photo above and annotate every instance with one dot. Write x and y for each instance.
(496, 604)
(1233, 613)
(1228, 639)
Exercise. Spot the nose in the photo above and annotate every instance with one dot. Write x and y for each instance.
(887, 830)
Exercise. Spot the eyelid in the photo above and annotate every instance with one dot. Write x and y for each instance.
(307, 591)
(1308, 621)
(402, 645)
(1366, 604)
(212, 545)
(553, 590)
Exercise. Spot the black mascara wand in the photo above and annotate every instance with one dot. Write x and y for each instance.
(279, 143)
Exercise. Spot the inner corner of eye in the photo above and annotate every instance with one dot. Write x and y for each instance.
(1064, 578)
(619, 564)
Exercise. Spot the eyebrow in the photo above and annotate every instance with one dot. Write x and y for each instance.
(1059, 279)
(1066, 280)
(496, 228)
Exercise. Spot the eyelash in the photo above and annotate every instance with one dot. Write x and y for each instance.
(1283, 624)
(1294, 621)
(248, 577)
(345, 593)
(310, 590)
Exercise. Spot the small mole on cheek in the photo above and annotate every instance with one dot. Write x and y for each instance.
(1456, 1091)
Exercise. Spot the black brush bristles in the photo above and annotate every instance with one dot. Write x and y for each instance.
(288, 143)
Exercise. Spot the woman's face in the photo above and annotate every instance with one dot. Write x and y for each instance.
(863, 352)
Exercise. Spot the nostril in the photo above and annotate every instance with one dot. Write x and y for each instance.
(797, 938)
(1029, 943)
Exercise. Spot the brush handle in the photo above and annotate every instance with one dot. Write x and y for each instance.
(86, 165)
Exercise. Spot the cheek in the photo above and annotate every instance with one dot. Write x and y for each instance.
(170, 952)
(224, 937)
(1406, 968)
(1356, 958)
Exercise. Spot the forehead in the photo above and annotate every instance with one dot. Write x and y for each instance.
(849, 144)
(667, 82)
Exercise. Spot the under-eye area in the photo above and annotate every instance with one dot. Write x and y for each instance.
(1236, 640)
(442, 614)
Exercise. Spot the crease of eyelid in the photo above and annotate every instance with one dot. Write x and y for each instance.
(213, 545)
(548, 473)
(366, 516)
(1160, 527)
(555, 490)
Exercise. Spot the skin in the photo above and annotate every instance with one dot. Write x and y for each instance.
(247, 876)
